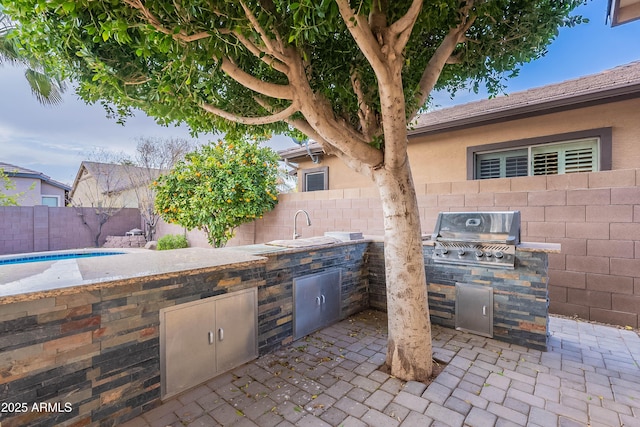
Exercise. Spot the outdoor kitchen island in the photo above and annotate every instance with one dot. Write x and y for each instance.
(480, 278)
(95, 344)
(91, 342)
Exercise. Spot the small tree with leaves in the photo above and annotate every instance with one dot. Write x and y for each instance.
(219, 187)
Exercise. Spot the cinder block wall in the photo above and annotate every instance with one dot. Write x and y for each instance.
(41, 228)
(594, 216)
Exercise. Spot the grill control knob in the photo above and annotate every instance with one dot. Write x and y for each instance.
(489, 254)
(499, 254)
(461, 252)
(479, 254)
(444, 251)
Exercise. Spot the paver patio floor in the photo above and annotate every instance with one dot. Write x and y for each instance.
(590, 376)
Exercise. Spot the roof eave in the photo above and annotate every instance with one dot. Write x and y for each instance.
(556, 105)
(619, 15)
(296, 154)
(41, 177)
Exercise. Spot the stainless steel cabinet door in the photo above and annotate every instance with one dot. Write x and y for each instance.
(474, 309)
(236, 331)
(316, 302)
(330, 296)
(189, 351)
(202, 339)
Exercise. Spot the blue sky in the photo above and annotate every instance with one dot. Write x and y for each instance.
(54, 140)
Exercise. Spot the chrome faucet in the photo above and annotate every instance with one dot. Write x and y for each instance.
(295, 217)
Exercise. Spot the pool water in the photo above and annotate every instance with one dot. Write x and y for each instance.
(55, 257)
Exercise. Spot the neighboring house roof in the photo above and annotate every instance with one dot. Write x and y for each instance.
(20, 172)
(111, 177)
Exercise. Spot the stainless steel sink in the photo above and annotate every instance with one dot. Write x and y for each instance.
(302, 243)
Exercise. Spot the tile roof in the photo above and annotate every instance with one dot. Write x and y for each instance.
(614, 84)
(112, 177)
(20, 172)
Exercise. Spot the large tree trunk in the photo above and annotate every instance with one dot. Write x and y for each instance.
(409, 351)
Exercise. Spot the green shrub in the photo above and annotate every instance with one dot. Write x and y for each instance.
(172, 241)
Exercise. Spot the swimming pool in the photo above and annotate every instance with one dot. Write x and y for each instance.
(54, 256)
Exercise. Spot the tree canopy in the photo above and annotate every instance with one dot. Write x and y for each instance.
(350, 74)
(47, 90)
(237, 59)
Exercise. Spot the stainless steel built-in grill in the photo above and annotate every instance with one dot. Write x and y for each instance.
(477, 238)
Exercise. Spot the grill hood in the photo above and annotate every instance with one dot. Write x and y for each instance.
(478, 227)
(477, 238)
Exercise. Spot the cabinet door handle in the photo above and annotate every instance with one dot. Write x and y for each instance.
(318, 301)
(484, 310)
(323, 299)
(211, 337)
(220, 334)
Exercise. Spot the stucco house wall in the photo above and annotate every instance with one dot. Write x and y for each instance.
(110, 185)
(33, 186)
(442, 157)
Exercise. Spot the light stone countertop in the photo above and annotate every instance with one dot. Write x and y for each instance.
(29, 281)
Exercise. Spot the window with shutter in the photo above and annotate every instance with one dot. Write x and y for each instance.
(489, 168)
(516, 166)
(569, 157)
(545, 163)
(502, 164)
(316, 179)
(580, 160)
(547, 159)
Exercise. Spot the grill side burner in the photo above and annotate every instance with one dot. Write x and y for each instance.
(477, 238)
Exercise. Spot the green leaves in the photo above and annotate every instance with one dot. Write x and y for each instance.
(219, 187)
(69, 7)
(165, 59)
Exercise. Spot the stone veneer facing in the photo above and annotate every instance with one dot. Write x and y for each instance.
(97, 347)
(520, 298)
